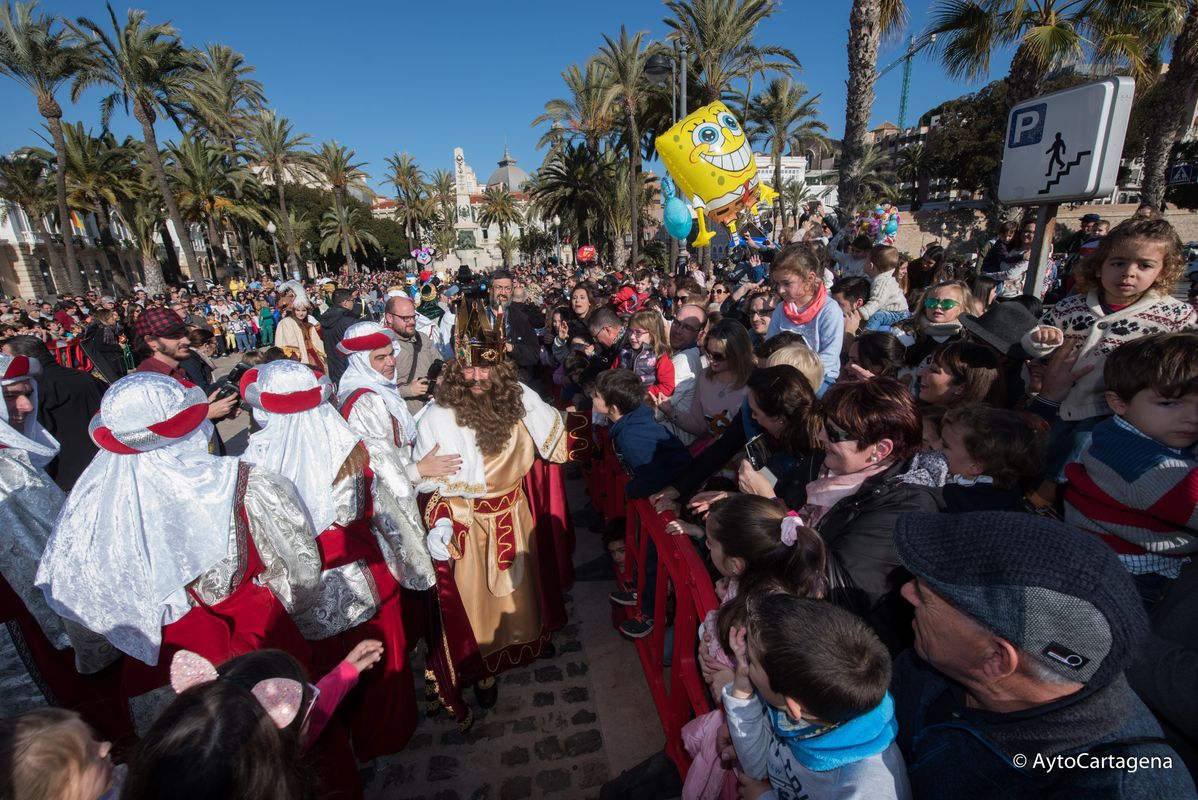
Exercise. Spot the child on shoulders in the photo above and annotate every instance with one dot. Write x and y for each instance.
(887, 302)
(1136, 485)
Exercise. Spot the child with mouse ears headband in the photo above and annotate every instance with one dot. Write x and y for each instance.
(241, 730)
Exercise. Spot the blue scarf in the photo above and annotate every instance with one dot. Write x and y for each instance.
(847, 743)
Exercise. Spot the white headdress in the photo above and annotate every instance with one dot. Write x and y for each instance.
(150, 514)
(303, 439)
(31, 436)
(360, 339)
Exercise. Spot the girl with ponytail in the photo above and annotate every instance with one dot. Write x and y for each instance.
(758, 549)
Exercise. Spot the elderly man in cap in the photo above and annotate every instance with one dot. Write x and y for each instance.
(1023, 628)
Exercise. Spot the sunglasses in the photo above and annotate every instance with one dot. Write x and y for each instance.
(716, 356)
(719, 291)
(762, 312)
(836, 436)
(932, 303)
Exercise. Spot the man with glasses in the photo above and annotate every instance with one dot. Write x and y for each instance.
(415, 352)
(761, 309)
(522, 343)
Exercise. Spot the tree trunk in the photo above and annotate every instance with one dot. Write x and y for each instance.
(215, 240)
(288, 235)
(108, 243)
(1169, 120)
(172, 260)
(865, 33)
(54, 121)
(146, 117)
(634, 195)
(350, 266)
(61, 276)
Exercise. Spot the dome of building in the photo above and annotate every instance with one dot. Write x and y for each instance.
(508, 174)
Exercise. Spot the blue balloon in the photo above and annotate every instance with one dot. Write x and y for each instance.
(677, 217)
(892, 226)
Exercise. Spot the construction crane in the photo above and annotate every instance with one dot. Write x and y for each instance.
(906, 61)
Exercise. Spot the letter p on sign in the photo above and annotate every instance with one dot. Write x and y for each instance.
(1027, 125)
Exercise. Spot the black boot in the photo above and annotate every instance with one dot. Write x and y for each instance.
(486, 692)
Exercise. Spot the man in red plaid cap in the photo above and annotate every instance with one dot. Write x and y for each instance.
(160, 341)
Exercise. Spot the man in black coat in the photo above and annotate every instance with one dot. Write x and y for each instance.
(66, 402)
(333, 325)
(521, 335)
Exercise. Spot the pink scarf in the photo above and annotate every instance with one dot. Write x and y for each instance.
(829, 489)
(801, 316)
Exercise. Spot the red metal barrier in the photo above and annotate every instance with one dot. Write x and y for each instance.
(69, 353)
(678, 690)
(606, 479)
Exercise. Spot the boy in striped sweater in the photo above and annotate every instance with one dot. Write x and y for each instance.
(1136, 486)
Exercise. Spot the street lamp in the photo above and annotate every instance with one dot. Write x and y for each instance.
(271, 228)
(557, 239)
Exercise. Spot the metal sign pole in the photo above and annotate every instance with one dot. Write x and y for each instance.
(1037, 269)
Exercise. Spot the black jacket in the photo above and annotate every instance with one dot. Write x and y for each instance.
(333, 325)
(67, 399)
(522, 335)
(864, 568)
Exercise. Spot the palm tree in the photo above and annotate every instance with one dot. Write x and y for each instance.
(498, 208)
(877, 181)
(911, 166)
(272, 145)
(42, 57)
(719, 36)
(625, 60)
(785, 118)
(869, 22)
(24, 182)
(210, 192)
(1169, 120)
(100, 174)
(336, 166)
(507, 245)
(344, 227)
(408, 179)
(1046, 33)
(586, 113)
(149, 68)
(221, 98)
(573, 185)
(441, 190)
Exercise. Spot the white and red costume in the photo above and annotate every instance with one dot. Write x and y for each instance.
(370, 539)
(162, 546)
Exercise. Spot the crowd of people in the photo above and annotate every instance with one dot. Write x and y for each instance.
(950, 524)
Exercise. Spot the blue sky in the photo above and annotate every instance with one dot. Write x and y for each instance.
(424, 77)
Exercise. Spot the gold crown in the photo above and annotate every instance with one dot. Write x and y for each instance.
(477, 341)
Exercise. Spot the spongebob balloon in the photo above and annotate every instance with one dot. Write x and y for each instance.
(711, 161)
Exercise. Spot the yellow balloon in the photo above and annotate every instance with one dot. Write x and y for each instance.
(710, 159)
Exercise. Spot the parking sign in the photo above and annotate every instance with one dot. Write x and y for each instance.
(1066, 146)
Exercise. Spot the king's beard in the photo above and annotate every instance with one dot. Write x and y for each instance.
(492, 413)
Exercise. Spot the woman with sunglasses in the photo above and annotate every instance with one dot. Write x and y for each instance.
(935, 321)
(872, 430)
(720, 388)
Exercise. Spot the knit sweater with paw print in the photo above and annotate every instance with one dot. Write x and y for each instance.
(1083, 318)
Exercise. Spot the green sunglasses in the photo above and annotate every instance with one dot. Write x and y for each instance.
(945, 303)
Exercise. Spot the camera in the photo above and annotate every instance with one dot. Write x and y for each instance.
(434, 372)
(230, 385)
